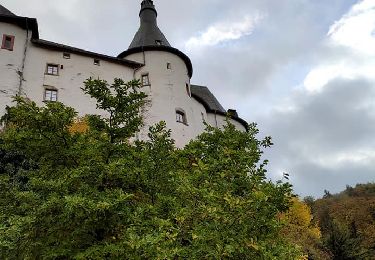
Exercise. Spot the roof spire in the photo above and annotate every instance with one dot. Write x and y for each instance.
(149, 33)
(147, 4)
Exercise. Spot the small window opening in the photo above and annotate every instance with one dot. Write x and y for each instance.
(145, 80)
(8, 42)
(169, 66)
(66, 55)
(50, 95)
(188, 90)
(52, 69)
(181, 117)
(159, 42)
(97, 62)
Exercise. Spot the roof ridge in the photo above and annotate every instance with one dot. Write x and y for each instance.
(5, 11)
(204, 93)
(63, 47)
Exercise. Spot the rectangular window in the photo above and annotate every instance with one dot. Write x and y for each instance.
(145, 80)
(8, 42)
(181, 117)
(97, 62)
(50, 95)
(52, 69)
(169, 66)
(66, 55)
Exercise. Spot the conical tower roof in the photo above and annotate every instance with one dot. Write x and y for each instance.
(150, 38)
(4, 11)
(149, 33)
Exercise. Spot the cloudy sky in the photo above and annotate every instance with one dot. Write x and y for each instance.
(304, 70)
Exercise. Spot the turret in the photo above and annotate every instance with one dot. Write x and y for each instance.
(150, 38)
(149, 33)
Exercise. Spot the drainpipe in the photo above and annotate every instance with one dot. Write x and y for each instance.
(134, 78)
(144, 56)
(215, 119)
(135, 71)
(21, 72)
(144, 63)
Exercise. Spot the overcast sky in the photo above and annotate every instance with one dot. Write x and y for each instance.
(304, 70)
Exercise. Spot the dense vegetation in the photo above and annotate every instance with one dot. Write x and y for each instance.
(89, 190)
(75, 188)
(347, 222)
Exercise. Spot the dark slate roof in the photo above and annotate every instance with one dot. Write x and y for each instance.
(26, 23)
(64, 48)
(175, 51)
(150, 38)
(4, 11)
(208, 100)
(149, 33)
(204, 95)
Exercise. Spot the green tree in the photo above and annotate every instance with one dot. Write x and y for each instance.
(347, 223)
(97, 193)
(343, 244)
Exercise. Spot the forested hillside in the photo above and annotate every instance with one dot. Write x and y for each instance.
(347, 221)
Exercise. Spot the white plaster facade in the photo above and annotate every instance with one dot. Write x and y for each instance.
(11, 64)
(23, 71)
(69, 81)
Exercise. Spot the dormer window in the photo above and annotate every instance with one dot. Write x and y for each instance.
(8, 42)
(159, 42)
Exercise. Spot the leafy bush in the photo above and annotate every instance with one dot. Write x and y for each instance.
(98, 193)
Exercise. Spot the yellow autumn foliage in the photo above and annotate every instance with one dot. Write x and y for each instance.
(300, 229)
(79, 126)
(299, 219)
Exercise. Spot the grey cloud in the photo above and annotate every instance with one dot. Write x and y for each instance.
(290, 35)
(316, 179)
(322, 125)
(252, 74)
(102, 26)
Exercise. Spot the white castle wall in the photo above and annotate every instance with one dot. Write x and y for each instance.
(167, 90)
(70, 79)
(11, 64)
(220, 121)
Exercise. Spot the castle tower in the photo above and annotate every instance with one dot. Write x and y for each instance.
(150, 38)
(165, 77)
(46, 71)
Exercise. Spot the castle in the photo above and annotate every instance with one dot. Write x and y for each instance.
(46, 71)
